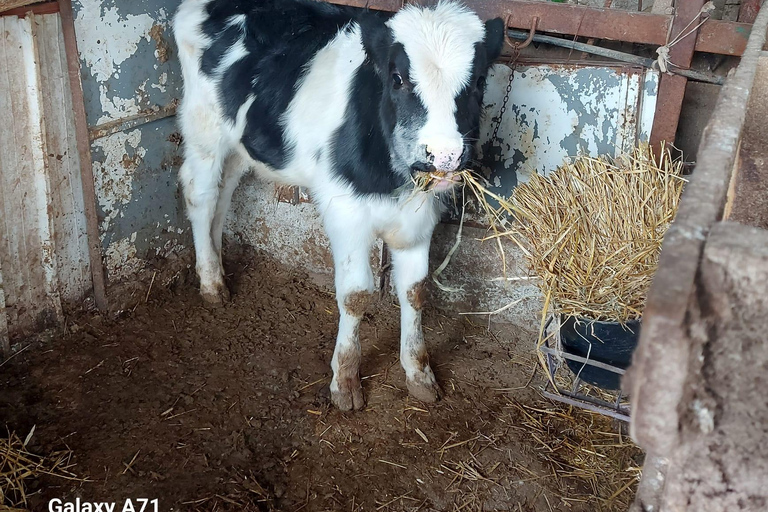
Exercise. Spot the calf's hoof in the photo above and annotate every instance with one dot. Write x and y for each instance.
(424, 387)
(216, 294)
(347, 394)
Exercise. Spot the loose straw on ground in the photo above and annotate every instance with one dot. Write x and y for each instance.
(18, 467)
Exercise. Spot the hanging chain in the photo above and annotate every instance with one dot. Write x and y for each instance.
(512, 63)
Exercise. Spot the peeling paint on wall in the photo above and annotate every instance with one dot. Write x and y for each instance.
(107, 38)
(129, 70)
(120, 258)
(557, 111)
(117, 157)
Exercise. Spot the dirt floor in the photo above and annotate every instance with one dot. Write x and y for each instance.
(227, 408)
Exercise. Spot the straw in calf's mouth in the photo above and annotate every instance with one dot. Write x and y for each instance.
(425, 181)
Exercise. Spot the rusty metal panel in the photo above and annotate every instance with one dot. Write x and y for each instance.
(560, 111)
(27, 254)
(130, 87)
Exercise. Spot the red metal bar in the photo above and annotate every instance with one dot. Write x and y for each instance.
(715, 36)
(84, 151)
(721, 37)
(565, 19)
(669, 101)
(748, 10)
(36, 9)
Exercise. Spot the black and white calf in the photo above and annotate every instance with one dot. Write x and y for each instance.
(348, 104)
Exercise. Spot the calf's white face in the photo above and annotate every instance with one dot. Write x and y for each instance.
(432, 63)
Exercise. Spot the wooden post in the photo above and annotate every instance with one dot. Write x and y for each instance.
(5, 343)
(84, 151)
(6, 5)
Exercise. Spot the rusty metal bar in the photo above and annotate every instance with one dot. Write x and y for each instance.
(583, 360)
(570, 20)
(669, 101)
(562, 397)
(36, 9)
(155, 114)
(721, 37)
(663, 353)
(619, 56)
(748, 10)
(84, 152)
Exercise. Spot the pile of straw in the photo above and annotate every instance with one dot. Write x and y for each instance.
(18, 467)
(592, 230)
(583, 448)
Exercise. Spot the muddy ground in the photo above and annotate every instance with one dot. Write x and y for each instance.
(227, 408)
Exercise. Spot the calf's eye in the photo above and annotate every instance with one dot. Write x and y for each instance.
(481, 82)
(397, 80)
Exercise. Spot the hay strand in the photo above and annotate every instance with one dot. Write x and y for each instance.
(18, 467)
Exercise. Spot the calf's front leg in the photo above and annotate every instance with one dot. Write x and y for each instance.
(354, 289)
(409, 272)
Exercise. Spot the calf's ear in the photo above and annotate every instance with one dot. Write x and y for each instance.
(377, 39)
(494, 38)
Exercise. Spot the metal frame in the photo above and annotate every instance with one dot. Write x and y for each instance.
(715, 36)
(573, 397)
(669, 102)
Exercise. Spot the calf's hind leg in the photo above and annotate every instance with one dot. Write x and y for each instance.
(409, 273)
(234, 168)
(199, 178)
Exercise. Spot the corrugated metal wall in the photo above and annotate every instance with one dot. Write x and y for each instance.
(43, 243)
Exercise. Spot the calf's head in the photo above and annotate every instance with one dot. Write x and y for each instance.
(433, 63)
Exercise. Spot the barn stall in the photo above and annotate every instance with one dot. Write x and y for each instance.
(118, 382)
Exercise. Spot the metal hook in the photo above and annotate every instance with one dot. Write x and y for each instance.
(516, 44)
